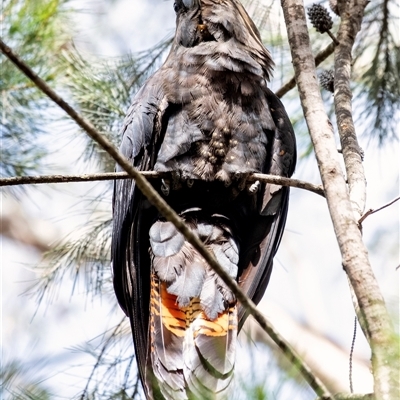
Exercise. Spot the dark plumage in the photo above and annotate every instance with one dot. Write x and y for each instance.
(207, 117)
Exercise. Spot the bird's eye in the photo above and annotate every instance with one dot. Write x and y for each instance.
(185, 4)
(188, 3)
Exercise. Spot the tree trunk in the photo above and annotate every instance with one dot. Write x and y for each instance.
(354, 253)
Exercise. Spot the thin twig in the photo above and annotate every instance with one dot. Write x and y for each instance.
(29, 180)
(39, 179)
(321, 56)
(99, 358)
(372, 211)
(153, 197)
(352, 396)
(353, 342)
(358, 311)
(281, 180)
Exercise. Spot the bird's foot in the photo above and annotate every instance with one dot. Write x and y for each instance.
(238, 181)
(241, 180)
(177, 180)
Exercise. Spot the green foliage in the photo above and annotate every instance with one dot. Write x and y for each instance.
(114, 358)
(85, 256)
(37, 31)
(17, 383)
(102, 90)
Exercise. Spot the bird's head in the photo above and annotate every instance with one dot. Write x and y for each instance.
(199, 21)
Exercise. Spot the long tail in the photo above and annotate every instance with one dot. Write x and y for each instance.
(193, 315)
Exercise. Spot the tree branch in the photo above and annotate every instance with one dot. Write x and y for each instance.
(106, 176)
(321, 56)
(350, 25)
(158, 202)
(372, 211)
(351, 19)
(346, 396)
(352, 153)
(29, 180)
(354, 253)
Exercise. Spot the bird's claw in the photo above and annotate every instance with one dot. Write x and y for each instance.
(254, 187)
(165, 186)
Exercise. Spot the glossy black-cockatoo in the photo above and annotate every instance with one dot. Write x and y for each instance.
(208, 118)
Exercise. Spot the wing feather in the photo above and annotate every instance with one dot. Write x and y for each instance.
(267, 229)
(132, 216)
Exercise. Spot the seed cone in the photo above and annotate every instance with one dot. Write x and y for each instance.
(327, 80)
(320, 18)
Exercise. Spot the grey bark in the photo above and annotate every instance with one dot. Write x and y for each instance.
(350, 25)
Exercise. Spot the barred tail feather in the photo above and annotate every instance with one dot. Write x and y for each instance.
(167, 331)
(209, 354)
(193, 315)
